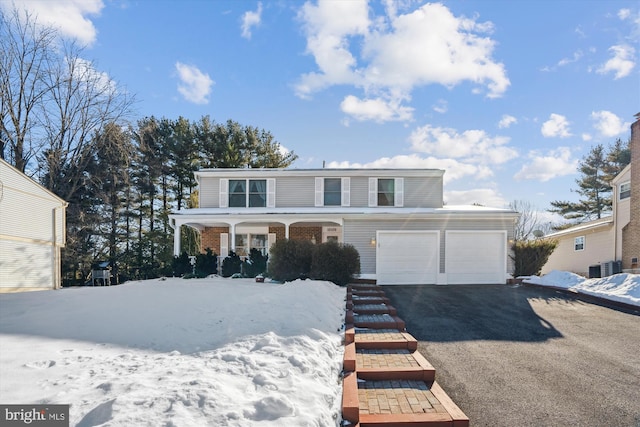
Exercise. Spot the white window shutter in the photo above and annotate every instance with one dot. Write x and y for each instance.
(373, 192)
(224, 193)
(224, 245)
(319, 191)
(271, 240)
(271, 193)
(346, 192)
(399, 192)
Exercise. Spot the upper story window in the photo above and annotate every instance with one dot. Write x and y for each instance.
(333, 191)
(241, 193)
(578, 243)
(386, 192)
(625, 190)
(239, 197)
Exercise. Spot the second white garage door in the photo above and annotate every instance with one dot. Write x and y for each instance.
(407, 257)
(475, 257)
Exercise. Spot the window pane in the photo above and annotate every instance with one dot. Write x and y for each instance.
(625, 191)
(237, 193)
(332, 191)
(237, 200)
(241, 244)
(386, 192)
(332, 184)
(257, 193)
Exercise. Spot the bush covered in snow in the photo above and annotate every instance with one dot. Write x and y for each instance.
(256, 264)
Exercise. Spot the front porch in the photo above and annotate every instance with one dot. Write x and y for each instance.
(240, 235)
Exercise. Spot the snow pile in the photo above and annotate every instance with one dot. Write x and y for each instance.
(224, 352)
(619, 287)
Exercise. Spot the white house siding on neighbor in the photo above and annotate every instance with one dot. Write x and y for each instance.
(32, 233)
(395, 219)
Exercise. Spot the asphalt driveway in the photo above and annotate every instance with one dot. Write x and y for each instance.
(523, 356)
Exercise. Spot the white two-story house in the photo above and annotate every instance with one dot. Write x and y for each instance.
(395, 218)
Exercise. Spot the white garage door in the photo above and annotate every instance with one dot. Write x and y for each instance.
(475, 257)
(405, 258)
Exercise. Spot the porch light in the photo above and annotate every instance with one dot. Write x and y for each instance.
(373, 241)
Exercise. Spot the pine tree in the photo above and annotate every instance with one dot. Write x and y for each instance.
(597, 170)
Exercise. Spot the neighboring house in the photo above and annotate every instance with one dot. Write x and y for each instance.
(616, 238)
(32, 233)
(395, 218)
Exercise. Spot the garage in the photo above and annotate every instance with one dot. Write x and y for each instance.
(407, 257)
(475, 257)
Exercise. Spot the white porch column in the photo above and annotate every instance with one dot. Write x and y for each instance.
(176, 238)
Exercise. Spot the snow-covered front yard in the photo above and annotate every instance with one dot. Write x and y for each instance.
(174, 352)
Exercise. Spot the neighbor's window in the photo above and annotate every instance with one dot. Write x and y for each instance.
(386, 190)
(256, 197)
(578, 243)
(332, 191)
(625, 190)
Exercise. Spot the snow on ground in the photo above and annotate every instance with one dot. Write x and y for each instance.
(174, 352)
(619, 287)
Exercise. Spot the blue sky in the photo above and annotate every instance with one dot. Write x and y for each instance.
(505, 96)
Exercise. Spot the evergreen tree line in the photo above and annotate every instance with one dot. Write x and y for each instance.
(136, 176)
(71, 128)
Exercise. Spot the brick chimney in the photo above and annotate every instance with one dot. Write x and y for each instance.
(631, 232)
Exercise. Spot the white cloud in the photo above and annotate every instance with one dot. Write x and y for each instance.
(556, 126)
(543, 168)
(575, 58)
(395, 53)
(506, 121)
(376, 109)
(483, 196)
(69, 16)
(441, 106)
(624, 14)
(608, 124)
(453, 168)
(251, 19)
(622, 62)
(474, 146)
(586, 137)
(194, 85)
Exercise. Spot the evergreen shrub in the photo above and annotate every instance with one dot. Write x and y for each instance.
(335, 262)
(530, 256)
(290, 260)
(231, 265)
(255, 264)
